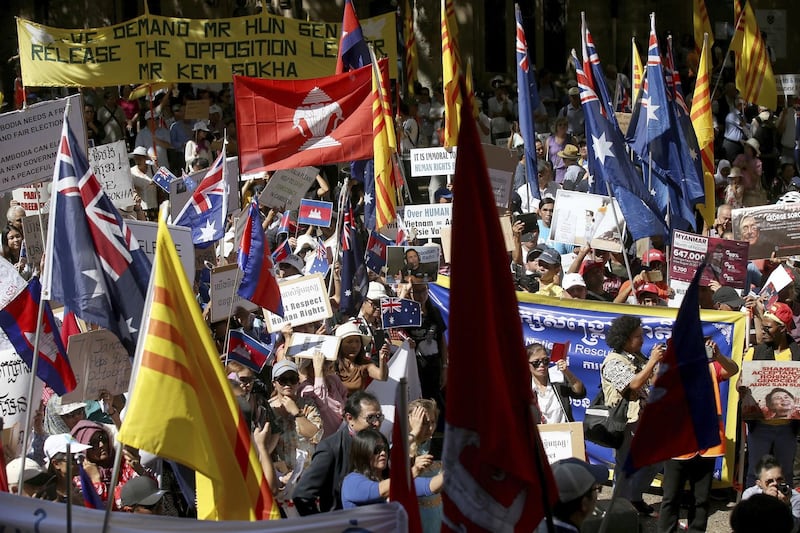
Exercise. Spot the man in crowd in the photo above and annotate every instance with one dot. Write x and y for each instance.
(771, 482)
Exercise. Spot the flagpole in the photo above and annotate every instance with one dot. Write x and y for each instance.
(339, 222)
(621, 234)
(69, 486)
(725, 57)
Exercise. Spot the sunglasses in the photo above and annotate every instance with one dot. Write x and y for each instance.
(539, 362)
(288, 380)
(376, 418)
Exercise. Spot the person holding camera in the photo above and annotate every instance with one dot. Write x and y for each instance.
(771, 482)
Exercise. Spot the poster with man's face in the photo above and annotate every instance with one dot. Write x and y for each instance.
(768, 228)
(412, 264)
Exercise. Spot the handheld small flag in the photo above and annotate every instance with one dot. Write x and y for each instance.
(400, 313)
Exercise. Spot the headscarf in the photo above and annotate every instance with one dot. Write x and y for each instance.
(719, 179)
(83, 433)
(53, 423)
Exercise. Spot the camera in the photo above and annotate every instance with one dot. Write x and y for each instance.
(784, 489)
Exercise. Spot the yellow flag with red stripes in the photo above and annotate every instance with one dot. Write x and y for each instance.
(702, 25)
(638, 72)
(703, 125)
(182, 406)
(410, 38)
(382, 144)
(754, 77)
(451, 71)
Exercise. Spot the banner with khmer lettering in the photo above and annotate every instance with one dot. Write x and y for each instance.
(584, 326)
(153, 48)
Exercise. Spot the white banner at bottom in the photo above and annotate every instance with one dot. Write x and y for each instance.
(28, 514)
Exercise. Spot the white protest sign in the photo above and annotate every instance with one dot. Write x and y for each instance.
(286, 188)
(432, 161)
(29, 140)
(305, 345)
(305, 300)
(100, 362)
(501, 164)
(110, 164)
(402, 364)
(15, 379)
(562, 441)
(225, 282)
(34, 237)
(11, 283)
(34, 198)
(787, 84)
(580, 218)
(426, 219)
(146, 232)
(179, 194)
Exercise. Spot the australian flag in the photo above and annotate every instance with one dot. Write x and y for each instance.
(320, 265)
(376, 251)
(354, 272)
(612, 169)
(353, 51)
(163, 177)
(594, 73)
(258, 282)
(528, 96)
(364, 171)
(399, 313)
(247, 351)
(18, 321)
(206, 210)
(98, 270)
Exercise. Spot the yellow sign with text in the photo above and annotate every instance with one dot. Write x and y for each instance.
(152, 48)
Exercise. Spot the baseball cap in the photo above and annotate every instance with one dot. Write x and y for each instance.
(572, 279)
(200, 125)
(650, 288)
(729, 296)
(781, 313)
(536, 252)
(67, 408)
(30, 467)
(550, 256)
(141, 490)
(443, 193)
(574, 91)
(376, 291)
(654, 255)
(282, 367)
(574, 478)
(214, 109)
(293, 260)
(588, 266)
(58, 444)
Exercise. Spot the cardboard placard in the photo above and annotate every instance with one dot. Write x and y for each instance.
(768, 228)
(197, 109)
(399, 269)
(304, 345)
(225, 282)
(501, 164)
(562, 441)
(580, 217)
(35, 237)
(286, 188)
(446, 236)
(100, 362)
(727, 258)
(305, 300)
(787, 84)
(437, 161)
(29, 141)
(773, 390)
(146, 232)
(33, 198)
(506, 225)
(109, 163)
(15, 379)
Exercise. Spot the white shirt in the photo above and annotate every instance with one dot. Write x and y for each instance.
(549, 405)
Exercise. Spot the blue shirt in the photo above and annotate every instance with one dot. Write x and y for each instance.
(358, 490)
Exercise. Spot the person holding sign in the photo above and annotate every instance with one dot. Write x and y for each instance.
(553, 398)
(321, 384)
(353, 365)
(776, 435)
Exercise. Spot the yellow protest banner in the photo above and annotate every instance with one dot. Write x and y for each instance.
(154, 48)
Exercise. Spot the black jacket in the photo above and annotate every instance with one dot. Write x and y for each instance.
(323, 477)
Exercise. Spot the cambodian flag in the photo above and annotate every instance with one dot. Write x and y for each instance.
(400, 313)
(281, 252)
(91, 499)
(315, 213)
(246, 350)
(258, 282)
(353, 51)
(376, 251)
(18, 321)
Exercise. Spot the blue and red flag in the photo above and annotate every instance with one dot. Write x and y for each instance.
(681, 412)
(98, 271)
(376, 251)
(400, 313)
(320, 265)
(315, 213)
(528, 97)
(353, 51)
(18, 321)
(281, 252)
(354, 272)
(91, 499)
(163, 177)
(258, 282)
(247, 351)
(206, 210)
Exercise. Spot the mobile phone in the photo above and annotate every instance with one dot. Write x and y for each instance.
(529, 220)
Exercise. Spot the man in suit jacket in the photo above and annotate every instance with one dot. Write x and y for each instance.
(331, 461)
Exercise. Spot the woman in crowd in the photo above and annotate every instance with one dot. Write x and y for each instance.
(556, 143)
(99, 460)
(625, 374)
(368, 480)
(59, 487)
(749, 165)
(423, 415)
(321, 384)
(12, 250)
(353, 366)
(199, 147)
(553, 398)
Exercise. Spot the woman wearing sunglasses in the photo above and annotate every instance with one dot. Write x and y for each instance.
(368, 481)
(553, 398)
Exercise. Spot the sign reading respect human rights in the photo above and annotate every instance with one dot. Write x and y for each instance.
(153, 48)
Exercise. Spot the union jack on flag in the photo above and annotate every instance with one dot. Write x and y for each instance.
(97, 269)
(206, 210)
(400, 313)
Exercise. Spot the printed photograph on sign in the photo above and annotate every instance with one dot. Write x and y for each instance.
(768, 229)
(580, 218)
(305, 300)
(727, 258)
(501, 164)
(305, 345)
(407, 264)
(772, 390)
